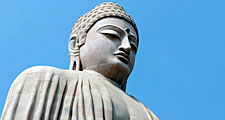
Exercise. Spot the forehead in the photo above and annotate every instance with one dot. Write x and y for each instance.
(114, 21)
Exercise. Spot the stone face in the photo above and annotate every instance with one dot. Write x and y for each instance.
(94, 86)
(109, 49)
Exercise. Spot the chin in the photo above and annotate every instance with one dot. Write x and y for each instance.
(123, 68)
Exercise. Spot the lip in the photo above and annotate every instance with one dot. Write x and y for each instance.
(122, 56)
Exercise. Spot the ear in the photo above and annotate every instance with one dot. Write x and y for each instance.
(73, 41)
(74, 52)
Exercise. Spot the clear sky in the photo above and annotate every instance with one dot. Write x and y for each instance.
(180, 65)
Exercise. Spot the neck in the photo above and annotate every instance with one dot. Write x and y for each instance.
(112, 72)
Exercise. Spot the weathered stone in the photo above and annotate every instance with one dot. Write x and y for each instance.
(102, 49)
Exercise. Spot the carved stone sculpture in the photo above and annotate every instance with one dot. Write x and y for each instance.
(102, 49)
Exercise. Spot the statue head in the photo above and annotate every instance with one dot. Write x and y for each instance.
(105, 40)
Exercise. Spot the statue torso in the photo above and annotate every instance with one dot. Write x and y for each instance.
(52, 93)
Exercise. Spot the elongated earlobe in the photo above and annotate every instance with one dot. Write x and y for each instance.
(74, 52)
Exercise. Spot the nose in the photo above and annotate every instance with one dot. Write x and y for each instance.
(125, 45)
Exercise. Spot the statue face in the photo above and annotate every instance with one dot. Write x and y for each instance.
(110, 48)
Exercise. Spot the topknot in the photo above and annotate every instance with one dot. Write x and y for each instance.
(106, 9)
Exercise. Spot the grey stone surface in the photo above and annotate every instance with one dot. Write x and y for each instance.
(102, 52)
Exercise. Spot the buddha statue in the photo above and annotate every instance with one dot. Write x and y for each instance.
(102, 48)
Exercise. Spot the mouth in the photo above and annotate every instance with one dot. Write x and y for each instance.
(123, 57)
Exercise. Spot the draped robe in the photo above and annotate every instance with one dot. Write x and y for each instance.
(48, 93)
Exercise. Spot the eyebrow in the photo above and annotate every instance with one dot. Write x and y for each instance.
(118, 30)
(110, 26)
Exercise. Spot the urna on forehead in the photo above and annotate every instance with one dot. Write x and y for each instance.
(107, 9)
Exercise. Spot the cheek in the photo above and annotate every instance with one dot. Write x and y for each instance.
(132, 58)
(101, 43)
(107, 46)
(97, 51)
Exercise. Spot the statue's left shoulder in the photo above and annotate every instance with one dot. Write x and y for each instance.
(147, 110)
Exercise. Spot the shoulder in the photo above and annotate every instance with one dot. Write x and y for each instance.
(47, 70)
(151, 114)
(39, 69)
(43, 71)
(35, 72)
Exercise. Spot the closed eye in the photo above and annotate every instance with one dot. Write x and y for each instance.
(133, 43)
(111, 34)
(133, 46)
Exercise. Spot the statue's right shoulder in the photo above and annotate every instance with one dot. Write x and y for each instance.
(36, 72)
(42, 71)
(38, 69)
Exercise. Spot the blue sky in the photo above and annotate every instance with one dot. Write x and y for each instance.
(180, 65)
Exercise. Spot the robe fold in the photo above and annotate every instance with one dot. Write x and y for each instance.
(48, 93)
